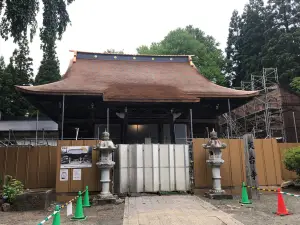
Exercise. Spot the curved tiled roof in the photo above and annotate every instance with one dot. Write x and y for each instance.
(136, 78)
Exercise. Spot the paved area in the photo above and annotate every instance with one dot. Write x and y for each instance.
(173, 210)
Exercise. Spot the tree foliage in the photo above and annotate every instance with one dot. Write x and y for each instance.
(113, 51)
(18, 72)
(295, 84)
(264, 36)
(19, 23)
(292, 160)
(55, 21)
(20, 16)
(207, 58)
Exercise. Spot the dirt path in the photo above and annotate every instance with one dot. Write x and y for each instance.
(97, 215)
(261, 211)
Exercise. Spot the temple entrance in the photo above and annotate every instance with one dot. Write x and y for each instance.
(144, 133)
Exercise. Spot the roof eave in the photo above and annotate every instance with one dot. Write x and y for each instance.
(35, 92)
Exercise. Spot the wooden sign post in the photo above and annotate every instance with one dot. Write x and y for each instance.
(250, 162)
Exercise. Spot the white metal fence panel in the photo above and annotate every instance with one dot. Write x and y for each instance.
(151, 168)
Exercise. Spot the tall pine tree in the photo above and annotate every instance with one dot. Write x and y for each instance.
(251, 39)
(283, 47)
(267, 37)
(232, 50)
(49, 68)
(18, 72)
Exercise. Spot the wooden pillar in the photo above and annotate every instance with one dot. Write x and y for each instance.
(161, 133)
(124, 127)
(172, 130)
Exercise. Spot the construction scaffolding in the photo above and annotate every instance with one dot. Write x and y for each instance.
(263, 116)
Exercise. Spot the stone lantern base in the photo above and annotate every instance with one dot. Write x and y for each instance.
(217, 195)
(113, 199)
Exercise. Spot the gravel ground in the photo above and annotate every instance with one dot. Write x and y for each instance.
(96, 215)
(261, 211)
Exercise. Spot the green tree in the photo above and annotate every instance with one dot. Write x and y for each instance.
(20, 16)
(232, 63)
(19, 22)
(295, 84)
(113, 51)
(264, 36)
(207, 58)
(2, 78)
(53, 27)
(283, 47)
(18, 72)
(247, 35)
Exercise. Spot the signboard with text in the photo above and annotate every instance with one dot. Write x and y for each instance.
(76, 157)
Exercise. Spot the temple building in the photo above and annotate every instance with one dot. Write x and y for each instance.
(137, 98)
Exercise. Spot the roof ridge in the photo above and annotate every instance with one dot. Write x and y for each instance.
(127, 54)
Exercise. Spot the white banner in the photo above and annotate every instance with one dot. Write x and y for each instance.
(69, 209)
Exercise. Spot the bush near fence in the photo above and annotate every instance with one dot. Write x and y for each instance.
(283, 147)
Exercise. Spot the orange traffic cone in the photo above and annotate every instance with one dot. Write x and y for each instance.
(281, 209)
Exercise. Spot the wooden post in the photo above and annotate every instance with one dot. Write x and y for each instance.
(125, 126)
(172, 131)
(250, 163)
(161, 133)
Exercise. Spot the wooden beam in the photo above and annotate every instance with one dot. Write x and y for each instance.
(142, 121)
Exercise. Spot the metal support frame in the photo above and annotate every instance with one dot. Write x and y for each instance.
(191, 154)
(36, 127)
(107, 121)
(262, 116)
(62, 117)
(295, 126)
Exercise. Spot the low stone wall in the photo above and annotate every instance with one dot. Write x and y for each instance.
(33, 200)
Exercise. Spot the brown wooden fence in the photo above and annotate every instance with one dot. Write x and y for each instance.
(34, 166)
(38, 167)
(89, 176)
(268, 163)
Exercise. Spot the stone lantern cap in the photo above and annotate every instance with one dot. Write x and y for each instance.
(214, 142)
(105, 142)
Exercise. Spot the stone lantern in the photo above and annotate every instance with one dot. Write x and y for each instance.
(105, 163)
(214, 148)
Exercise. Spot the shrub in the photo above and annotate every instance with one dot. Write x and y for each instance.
(12, 188)
(292, 160)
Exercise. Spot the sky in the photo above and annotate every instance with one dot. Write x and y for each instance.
(125, 25)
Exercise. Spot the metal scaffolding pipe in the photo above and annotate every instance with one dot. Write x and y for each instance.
(191, 120)
(229, 114)
(36, 127)
(107, 117)
(62, 117)
(295, 126)
(77, 131)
